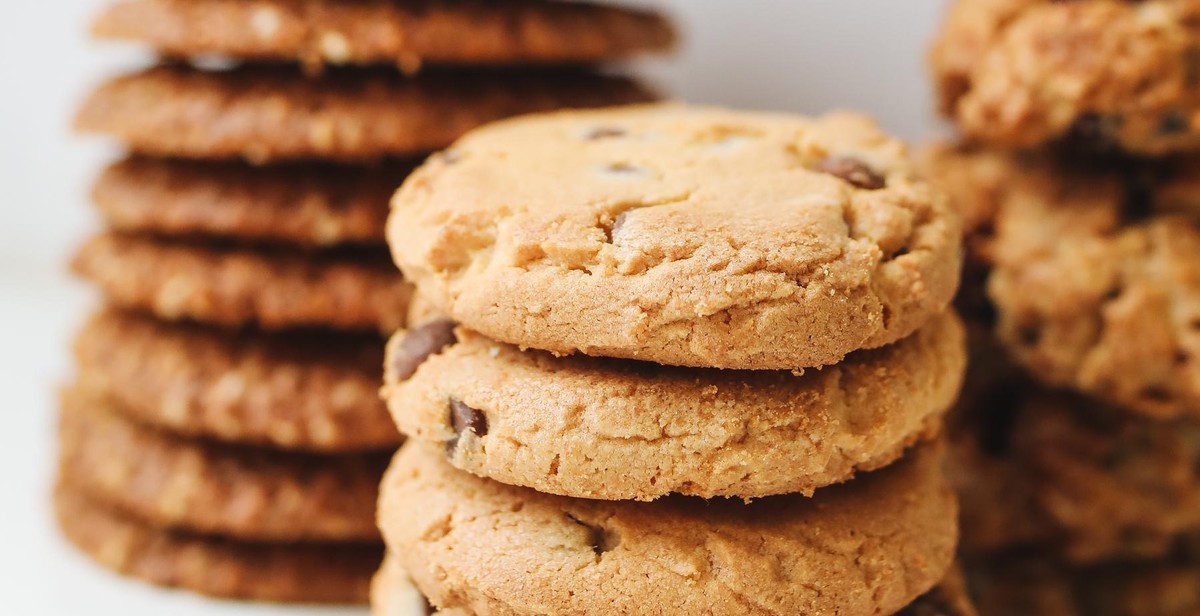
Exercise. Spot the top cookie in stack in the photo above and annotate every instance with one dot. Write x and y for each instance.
(596, 270)
(233, 381)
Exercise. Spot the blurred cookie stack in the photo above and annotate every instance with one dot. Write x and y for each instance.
(225, 432)
(624, 408)
(1078, 444)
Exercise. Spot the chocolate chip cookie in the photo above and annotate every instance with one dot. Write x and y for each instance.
(680, 235)
(618, 429)
(1110, 74)
(408, 34)
(870, 546)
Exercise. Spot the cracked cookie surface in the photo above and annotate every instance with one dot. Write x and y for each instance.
(680, 235)
(214, 488)
(407, 34)
(290, 573)
(1096, 274)
(619, 429)
(271, 113)
(1106, 73)
(870, 546)
(269, 287)
(311, 391)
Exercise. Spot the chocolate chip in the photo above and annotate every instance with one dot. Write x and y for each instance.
(851, 170)
(1174, 123)
(419, 343)
(605, 132)
(1137, 203)
(463, 418)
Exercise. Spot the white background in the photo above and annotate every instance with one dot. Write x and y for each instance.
(799, 55)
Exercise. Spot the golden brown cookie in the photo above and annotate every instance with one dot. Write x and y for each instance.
(302, 204)
(1095, 272)
(618, 429)
(1025, 585)
(681, 235)
(1073, 476)
(1111, 73)
(408, 34)
(950, 597)
(212, 488)
(267, 113)
(296, 390)
(870, 546)
(269, 287)
(290, 573)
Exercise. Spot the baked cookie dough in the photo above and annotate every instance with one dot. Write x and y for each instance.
(224, 284)
(870, 546)
(212, 488)
(408, 34)
(1096, 273)
(288, 573)
(610, 429)
(299, 204)
(310, 391)
(1111, 74)
(270, 113)
(681, 235)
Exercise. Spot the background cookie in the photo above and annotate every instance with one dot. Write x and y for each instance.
(302, 204)
(1096, 274)
(214, 488)
(616, 236)
(271, 287)
(618, 429)
(267, 113)
(297, 573)
(1020, 73)
(408, 34)
(867, 547)
(294, 390)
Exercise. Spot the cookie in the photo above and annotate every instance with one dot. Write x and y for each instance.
(950, 597)
(268, 287)
(681, 235)
(310, 391)
(269, 113)
(304, 204)
(1023, 585)
(213, 488)
(871, 546)
(292, 573)
(618, 430)
(1071, 475)
(1096, 276)
(409, 34)
(1107, 73)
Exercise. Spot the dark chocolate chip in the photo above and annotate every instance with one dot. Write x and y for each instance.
(419, 343)
(463, 418)
(605, 132)
(851, 170)
(1174, 123)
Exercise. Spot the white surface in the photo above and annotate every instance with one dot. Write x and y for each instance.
(801, 55)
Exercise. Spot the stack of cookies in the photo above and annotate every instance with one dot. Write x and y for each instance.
(672, 360)
(1078, 447)
(225, 432)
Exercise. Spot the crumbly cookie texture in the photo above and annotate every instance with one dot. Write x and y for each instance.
(1110, 73)
(1073, 477)
(619, 429)
(213, 488)
(1096, 274)
(269, 287)
(871, 546)
(1024, 585)
(306, 205)
(269, 113)
(288, 573)
(305, 391)
(408, 34)
(680, 235)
